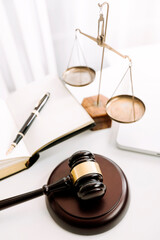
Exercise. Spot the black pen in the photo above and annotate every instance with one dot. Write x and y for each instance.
(29, 121)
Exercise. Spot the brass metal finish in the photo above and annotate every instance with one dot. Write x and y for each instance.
(13, 145)
(121, 108)
(86, 35)
(102, 39)
(35, 112)
(83, 169)
(19, 133)
(79, 76)
(105, 45)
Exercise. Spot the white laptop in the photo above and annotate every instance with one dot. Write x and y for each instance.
(144, 135)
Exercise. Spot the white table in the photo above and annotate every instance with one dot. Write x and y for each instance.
(31, 220)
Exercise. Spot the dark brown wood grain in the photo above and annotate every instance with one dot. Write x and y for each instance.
(98, 113)
(92, 213)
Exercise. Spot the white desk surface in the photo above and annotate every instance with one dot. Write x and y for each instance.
(31, 220)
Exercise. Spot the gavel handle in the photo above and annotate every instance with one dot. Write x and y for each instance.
(61, 185)
(9, 202)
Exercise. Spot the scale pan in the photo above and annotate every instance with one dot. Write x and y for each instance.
(79, 76)
(125, 108)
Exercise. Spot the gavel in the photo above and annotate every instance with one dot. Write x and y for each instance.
(85, 179)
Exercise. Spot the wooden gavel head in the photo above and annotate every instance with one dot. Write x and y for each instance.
(86, 175)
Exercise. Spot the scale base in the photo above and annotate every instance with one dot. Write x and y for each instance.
(97, 112)
(90, 214)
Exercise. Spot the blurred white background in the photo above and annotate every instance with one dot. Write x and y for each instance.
(36, 36)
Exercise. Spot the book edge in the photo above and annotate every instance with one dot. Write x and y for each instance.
(27, 163)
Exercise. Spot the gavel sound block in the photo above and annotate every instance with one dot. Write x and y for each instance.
(89, 214)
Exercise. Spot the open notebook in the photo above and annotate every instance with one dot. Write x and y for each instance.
(61, 117)
(144, 136)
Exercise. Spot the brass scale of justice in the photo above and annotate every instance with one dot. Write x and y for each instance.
(121, 108)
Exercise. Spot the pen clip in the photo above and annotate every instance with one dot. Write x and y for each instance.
(42, 102)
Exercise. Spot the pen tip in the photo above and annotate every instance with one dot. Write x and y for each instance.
(10, 149)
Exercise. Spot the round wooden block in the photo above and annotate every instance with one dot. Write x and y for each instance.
(88, 214)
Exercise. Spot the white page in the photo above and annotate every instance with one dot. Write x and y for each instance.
(61, 114)
(8, 132)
